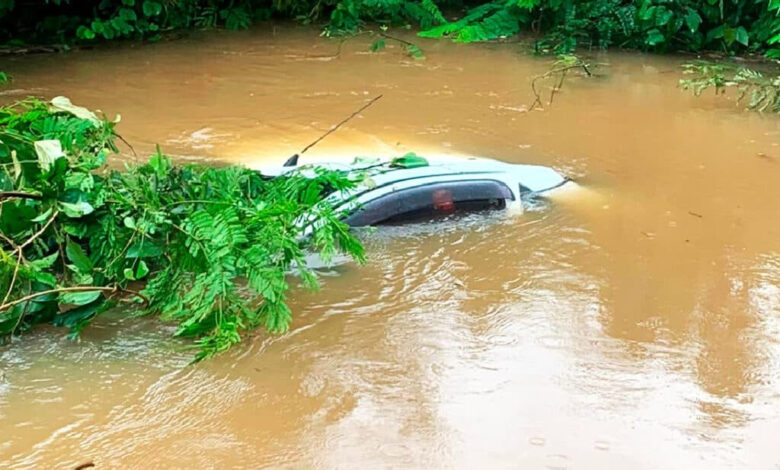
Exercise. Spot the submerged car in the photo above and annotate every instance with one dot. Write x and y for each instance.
(415, 188)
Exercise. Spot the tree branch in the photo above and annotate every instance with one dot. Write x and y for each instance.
(39, 232)
(19, 194)
(111, 290)
(10, 242)
(13, 278)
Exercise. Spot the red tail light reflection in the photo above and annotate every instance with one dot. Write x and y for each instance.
(442, 200)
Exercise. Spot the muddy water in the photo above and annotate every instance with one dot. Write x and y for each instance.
(632, 324)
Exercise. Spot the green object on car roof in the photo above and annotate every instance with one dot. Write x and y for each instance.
(410, 160)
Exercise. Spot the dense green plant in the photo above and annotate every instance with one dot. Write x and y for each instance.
(208, 248)
(761, 92)
(733, 26)
(65, 20)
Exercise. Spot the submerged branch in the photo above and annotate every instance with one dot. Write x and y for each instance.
(560, 69)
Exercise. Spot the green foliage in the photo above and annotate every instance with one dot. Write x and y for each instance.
(349, 15)
(489, 21)
(660, 25)
(66, 21)
(732, 26)
(4, 78)
(761, 92)
(207, 248)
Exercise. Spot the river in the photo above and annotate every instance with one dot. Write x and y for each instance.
(634, 323)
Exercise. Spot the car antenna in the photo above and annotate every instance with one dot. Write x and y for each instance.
(293, 161)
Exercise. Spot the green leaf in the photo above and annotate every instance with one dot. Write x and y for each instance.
(79, 298)
(44, 278)
(646, 13)
(76, 210)
(654, 37)
(236, 18)
(44, 216)
(142, 270)
(160, 163)
(662, 16)
(76, 255)
(362, 160)
(61, 103)
(693, 20)
(80, 181)
(45, 262)
(715, 33)
(742, 36)
(527, 4)
(128, 15)
(128, 2)
(729, 35)
(151, 8)
(145, 249)
(48, 151)
(377, 45)
(82, 32)
(415, 52)
(75, 316)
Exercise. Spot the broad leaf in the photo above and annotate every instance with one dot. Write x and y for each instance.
(79, 298)
(76, 255)
(45, 262)
(74, 316)
(48, 151)
(151, 8)
(77, 209)
(61, 103)
(143, 249)
(692, 20)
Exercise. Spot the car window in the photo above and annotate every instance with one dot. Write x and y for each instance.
(430, 200)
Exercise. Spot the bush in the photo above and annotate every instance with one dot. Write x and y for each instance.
(734, 26)
(208, 248)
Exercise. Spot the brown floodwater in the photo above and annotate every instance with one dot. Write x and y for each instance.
(633, 323)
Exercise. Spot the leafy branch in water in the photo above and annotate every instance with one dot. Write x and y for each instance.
(411, 49)
(557, 73)
(761, 92)
(207, 248)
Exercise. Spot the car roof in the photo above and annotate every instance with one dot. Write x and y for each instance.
(380, 173)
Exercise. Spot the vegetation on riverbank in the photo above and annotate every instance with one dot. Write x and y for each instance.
(208, 248)
(733, 26)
